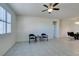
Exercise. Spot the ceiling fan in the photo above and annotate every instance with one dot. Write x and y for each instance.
(51, 7)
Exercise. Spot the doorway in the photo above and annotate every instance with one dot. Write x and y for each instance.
(54, 29)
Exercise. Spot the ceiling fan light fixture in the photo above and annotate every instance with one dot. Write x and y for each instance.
(50, 10)
(50, 7)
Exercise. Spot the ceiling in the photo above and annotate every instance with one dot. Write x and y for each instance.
(67, 10)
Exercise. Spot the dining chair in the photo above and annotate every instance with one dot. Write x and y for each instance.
(44, 36)
(32, 36)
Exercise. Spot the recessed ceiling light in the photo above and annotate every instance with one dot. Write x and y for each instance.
(76, 22)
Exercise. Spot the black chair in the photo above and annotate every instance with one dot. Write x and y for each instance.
(77, 36)
(32, 36)
(71, 34)
(44, 36)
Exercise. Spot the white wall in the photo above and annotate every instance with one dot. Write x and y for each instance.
(67, 25)
(35, 25)
(8, 40)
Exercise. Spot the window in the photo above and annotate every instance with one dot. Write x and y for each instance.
(1, 28)
(8, 22)
(5, 21)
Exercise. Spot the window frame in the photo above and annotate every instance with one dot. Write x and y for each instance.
(5, 21)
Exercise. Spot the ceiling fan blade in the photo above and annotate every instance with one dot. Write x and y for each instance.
(44, 10)
(45, 6)
(55, 4)
(56, 9)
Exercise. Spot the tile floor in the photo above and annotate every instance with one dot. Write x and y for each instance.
(53, 47)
